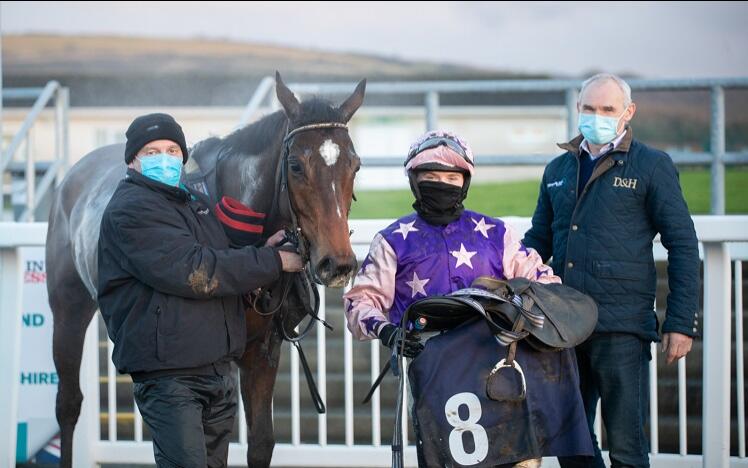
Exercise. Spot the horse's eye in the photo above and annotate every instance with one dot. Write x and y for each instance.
(356, 164)
(295, 167)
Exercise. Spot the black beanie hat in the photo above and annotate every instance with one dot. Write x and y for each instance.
(152, 127)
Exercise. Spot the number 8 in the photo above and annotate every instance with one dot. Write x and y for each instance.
(457, 449)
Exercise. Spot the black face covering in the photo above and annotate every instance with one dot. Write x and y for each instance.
(439, 203)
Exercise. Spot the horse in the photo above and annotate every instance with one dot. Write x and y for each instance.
(297, 164)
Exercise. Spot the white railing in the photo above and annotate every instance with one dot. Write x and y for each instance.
(723, 241)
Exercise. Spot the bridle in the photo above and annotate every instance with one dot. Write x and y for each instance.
(295, 236)
(286, 210)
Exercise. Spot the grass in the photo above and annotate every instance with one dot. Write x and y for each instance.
(519, 198)
(697, 185)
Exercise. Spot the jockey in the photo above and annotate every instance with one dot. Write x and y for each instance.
(438, 249)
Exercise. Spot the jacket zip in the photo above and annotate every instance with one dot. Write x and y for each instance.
(158, 320)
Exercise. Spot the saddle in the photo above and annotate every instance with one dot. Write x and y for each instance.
(553, 316)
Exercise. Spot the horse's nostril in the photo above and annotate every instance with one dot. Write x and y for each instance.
(329, 268)
(345, 270)
(350, 267)
(326, 267)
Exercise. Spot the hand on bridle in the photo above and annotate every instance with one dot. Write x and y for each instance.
(391, 336)
(279, 238)
(290, 259)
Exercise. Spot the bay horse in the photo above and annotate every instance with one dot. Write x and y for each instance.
(301, 155)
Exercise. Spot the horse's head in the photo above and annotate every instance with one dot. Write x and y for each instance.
(320, 167)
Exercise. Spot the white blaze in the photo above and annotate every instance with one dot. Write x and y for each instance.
(329, 152)
(335, 196)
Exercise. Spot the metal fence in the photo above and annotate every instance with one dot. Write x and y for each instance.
(717, 235)
(58, 95)
(717, 158)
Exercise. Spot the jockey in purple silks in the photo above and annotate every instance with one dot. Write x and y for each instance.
(438, 249)
(441, 248)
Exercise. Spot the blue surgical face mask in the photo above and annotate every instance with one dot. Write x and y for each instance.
(597, 129)
(162, 167)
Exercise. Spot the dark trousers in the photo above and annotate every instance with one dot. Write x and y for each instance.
(614, 368)
(190, 418)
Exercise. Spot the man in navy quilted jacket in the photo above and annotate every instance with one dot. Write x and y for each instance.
(600, 206)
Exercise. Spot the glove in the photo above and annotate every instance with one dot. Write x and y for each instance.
(391, 336)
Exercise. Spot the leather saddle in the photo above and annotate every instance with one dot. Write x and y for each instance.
(551, 317)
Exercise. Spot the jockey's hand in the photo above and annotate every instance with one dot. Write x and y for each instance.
(391, 336)
(275, 239)
(675, 345)
(291, 261)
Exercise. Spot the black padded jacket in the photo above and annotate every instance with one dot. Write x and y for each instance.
(169, 286)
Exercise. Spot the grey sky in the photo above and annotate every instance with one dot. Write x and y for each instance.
(652, 39)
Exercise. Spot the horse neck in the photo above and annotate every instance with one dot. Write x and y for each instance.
(258, 179)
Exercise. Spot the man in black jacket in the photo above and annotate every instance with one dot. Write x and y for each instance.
(170, 292)
(600, 206)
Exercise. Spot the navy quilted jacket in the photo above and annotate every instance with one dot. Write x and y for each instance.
(601, 241)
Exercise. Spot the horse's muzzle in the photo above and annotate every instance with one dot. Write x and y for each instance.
(335, 272)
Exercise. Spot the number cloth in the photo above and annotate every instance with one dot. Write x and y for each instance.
(457, 425)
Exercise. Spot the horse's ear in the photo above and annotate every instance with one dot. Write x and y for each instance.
(354, 101)
(286, 98)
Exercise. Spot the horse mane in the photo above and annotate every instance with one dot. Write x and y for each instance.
(259, 135)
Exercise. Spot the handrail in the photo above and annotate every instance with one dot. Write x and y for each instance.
(36, 109)
(680, 158)
(431, 89)
(21, 93)
(470, 86)
(42, 188)
(34, 193)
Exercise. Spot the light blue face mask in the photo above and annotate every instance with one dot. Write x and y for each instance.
(162, 167)
(597, 129)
